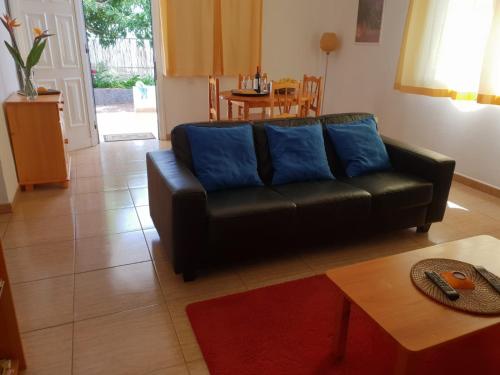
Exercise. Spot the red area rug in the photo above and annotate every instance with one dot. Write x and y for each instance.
(285, 329)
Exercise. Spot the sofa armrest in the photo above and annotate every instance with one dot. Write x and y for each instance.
(427, 164)
(177, 204)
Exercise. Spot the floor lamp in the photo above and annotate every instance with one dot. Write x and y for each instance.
(328, 43)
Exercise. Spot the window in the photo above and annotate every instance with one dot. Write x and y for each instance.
(451, 48)
(211, 37)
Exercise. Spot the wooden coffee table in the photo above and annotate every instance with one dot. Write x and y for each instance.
(382, 288)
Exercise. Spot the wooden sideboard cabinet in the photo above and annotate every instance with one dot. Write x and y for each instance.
(38, 141)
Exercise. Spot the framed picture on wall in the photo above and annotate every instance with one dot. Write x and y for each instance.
(369, 22)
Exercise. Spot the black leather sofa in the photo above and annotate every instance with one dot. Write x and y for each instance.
(195, 226)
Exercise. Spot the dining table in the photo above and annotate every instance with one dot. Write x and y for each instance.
(248, 102)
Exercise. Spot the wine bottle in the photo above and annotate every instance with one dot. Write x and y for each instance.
(256, 80)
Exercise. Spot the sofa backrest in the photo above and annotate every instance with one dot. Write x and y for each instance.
(182, 149)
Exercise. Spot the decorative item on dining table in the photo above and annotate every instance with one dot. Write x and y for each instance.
(257, 85)
(26, 65)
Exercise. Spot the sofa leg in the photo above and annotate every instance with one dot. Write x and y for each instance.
(423, 228)
(189, 275)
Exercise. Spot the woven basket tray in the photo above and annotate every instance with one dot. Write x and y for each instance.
(483, 299)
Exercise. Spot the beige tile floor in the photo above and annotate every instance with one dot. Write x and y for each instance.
(95, 293)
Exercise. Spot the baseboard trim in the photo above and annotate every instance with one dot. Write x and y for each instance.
(8, 208)
(478, 185)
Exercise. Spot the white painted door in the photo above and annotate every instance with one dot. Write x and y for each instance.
(62, 66)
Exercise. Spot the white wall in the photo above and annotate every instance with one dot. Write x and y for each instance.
(290, 36)
(290, 48)
(362, 77)
(8, 84)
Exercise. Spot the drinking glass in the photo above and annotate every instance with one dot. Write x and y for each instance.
(263, 84)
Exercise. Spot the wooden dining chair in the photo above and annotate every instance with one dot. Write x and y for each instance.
(283, 97)
(214, 103)
(240, 105)
(311, 89)
(213, 99)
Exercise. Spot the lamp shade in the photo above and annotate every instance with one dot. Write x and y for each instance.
(329, 42)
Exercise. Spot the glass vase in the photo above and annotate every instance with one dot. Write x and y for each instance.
(29, 88)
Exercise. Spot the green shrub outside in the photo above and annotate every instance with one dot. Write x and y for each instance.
(103, 78)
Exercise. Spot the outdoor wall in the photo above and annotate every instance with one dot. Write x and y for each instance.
(362, 78)
(290, 48)
(113, 96)
(8, 84)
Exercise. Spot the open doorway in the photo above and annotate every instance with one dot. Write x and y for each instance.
(120, 48)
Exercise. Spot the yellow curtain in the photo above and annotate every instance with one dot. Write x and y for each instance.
(188, 37)
(204, 37)
(451, 48)
(241, 35)
(489, 90)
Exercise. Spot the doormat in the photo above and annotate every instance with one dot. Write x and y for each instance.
(288, 328)
(128, 137)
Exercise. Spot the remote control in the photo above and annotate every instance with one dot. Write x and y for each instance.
(493, 280)
(450, 293)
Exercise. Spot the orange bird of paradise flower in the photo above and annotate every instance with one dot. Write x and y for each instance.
(9, 22)
(38, 32)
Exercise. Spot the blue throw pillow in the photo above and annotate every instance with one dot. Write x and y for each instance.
(359, 146)
(223, 157)
(297, 153)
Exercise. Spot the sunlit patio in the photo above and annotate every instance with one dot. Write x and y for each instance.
(120, 119)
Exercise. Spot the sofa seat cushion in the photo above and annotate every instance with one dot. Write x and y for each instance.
(244, 213)
(393, 190)
(327, 201)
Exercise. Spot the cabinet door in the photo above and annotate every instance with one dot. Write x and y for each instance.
(37, 142)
